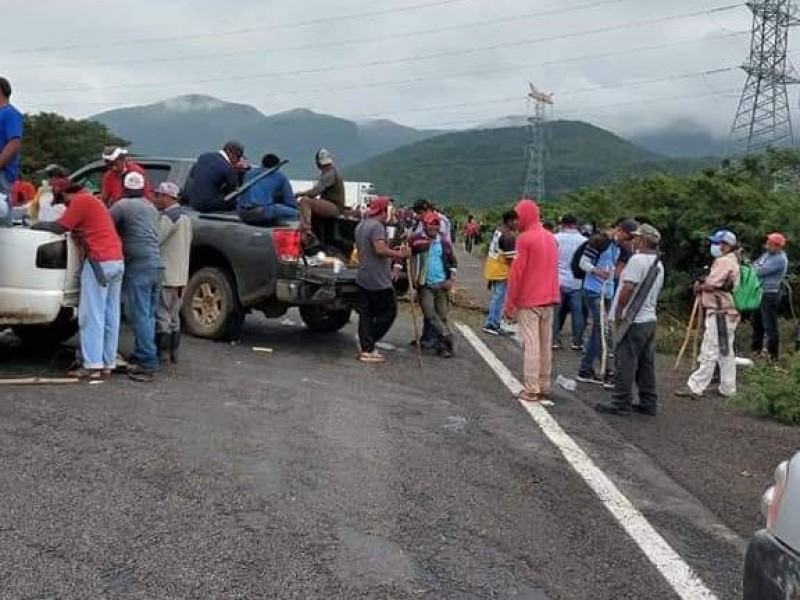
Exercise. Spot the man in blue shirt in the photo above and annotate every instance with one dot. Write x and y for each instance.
(270, 199)
(10, 149)
(771, 269)
(599, 261)
(434, 276)
(212, 177)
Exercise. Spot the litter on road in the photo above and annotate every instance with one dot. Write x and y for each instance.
(261, 350)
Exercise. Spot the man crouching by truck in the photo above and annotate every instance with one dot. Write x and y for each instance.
(101, 275)
(377, 305)
(175, 238)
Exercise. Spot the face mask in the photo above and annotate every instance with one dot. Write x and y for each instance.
(716, 250)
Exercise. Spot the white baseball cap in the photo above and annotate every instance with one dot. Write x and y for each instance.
(112, 153)
(133, 181)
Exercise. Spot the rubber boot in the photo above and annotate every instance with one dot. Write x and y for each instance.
(162, 340)
(174, 343)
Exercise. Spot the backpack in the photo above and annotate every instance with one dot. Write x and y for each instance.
(747, 297)
(600, 241)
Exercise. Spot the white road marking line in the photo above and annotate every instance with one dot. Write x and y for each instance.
(674, 569)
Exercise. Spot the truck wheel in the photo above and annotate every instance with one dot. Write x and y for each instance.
(323, 320)
(211, 309)
(50, 335)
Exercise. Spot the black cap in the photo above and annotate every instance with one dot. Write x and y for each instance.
(569, 220)
(629, 226)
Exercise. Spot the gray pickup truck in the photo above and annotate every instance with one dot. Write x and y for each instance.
(236, 268)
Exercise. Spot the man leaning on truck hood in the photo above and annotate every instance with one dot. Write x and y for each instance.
(101, 275)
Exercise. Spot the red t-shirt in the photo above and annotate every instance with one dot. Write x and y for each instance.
(22, 192)
(111, 184)
(89, 220)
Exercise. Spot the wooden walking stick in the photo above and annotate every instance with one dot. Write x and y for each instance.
(411, 281)
(699, 332)
(689, 331)
(603, 330)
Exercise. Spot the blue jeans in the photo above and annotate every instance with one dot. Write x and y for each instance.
(98, 315)
(571, 303)
(496, 304)
(140, 290)
(267, 215)
(595, 346)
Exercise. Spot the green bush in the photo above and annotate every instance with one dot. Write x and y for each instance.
(772, 392)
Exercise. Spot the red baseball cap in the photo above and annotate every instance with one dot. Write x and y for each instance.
(377, 206)
(63, 185)
(777, 238)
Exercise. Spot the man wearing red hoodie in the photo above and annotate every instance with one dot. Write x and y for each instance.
(533, 291)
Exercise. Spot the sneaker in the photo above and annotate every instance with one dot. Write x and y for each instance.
(588, 377)
(608, 382)
(373, 357)
(492, 330)
(650, 412)
(557, 346)
(577, 347)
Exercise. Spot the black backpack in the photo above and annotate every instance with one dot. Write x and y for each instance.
(599, 241)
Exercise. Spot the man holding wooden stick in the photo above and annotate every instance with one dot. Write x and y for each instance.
(634, 315)
(716, 297)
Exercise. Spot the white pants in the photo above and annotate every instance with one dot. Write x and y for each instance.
(710, 357)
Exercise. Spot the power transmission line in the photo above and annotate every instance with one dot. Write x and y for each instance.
(215, 34)
(357, 41)
(375, 63)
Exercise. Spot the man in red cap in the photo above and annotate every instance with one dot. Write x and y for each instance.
(101, 275)
(771, 269)
(376, 305)
(434, 275)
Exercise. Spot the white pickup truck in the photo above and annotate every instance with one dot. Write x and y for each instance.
(38, 285)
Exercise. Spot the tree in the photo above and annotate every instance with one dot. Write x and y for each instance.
(71, 143)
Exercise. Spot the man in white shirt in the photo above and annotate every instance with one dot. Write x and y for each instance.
(569, 240)
(636, 352)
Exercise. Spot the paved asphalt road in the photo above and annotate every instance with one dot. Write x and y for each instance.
(305, 474)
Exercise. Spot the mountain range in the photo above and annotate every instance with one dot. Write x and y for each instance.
(189, 125)
(478, 166)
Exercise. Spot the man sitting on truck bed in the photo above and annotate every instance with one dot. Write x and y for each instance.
(325, 199)
(271, 199)
(212, 177)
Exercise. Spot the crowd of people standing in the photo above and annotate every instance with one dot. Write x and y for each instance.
(612, 279)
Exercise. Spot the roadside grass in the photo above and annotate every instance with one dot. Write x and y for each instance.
(771, 391)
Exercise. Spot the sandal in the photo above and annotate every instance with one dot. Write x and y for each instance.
(86, 374)
(527, 397)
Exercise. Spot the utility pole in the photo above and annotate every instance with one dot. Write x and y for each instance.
(536, 150)
(763, 119)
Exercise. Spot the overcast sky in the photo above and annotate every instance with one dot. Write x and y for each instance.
(83, 57)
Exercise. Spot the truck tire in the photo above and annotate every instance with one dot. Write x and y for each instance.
(324, 320)
(211, 309)
(50, 335)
